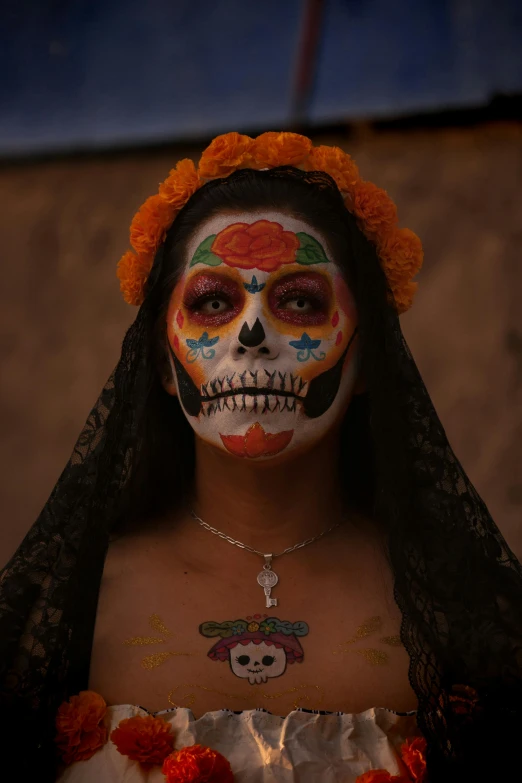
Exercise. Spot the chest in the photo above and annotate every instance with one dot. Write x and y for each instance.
(204, 639)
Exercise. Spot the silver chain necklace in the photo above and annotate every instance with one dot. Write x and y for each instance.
(266, 578)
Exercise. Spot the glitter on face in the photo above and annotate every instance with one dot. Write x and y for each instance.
(213, 299)
(309, 294)
(284, 353)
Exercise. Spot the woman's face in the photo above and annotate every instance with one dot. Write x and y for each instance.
(261, 334)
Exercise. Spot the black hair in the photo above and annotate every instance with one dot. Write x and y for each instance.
(167, 440)
(456, 581)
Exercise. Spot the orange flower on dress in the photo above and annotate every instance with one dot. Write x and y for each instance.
(464, 700)
(401, 255)
(133, 272)
(373, 207)
(261, 245)
(280, 149)
(413, 753)
(380, 776)
(197, 764)
(79, 726)
(181, 183)
(150, 224)
(146, 739)
(336, 163)
(225, 154)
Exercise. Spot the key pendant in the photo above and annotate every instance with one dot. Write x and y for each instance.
(268, 579)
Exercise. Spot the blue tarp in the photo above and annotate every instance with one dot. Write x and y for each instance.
(87, 74)
(390, 57)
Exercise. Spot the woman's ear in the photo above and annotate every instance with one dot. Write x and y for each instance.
(166, 372)
(168, 383)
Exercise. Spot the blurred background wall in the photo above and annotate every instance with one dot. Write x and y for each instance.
(100, 98)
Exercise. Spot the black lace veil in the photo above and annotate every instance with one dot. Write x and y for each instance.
(458, 585)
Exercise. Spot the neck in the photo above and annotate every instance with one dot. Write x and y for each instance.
(269, 506)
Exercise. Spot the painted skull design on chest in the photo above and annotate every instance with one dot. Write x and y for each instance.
(256, 648)
(261, 331)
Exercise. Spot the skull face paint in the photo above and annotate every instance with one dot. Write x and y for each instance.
(261, 330)
(256, 648)
(258, 662)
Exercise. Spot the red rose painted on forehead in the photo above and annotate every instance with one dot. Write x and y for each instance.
(261, 245)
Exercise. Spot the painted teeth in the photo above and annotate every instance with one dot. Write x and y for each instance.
(258, 379)
(260, 403)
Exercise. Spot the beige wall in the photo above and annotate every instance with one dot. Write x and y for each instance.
(64, 224)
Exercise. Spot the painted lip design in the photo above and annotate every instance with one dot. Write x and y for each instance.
(260, 391)
(255, 382)
(255, 401)
(272, 389)
(256, 442)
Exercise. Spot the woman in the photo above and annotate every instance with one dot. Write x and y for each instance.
(263, 511)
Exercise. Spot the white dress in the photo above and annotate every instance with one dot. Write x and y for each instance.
(303, 747)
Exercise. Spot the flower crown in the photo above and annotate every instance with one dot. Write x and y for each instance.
(399, 250)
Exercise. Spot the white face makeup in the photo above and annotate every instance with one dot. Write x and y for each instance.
(261, 329)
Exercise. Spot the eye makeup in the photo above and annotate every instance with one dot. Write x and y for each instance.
(212, 299)
(303, 298)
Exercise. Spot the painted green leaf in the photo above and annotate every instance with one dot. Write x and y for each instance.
(217, 629)
(203, 254)
(310, 250)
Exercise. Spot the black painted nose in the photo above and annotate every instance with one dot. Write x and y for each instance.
(253, 337)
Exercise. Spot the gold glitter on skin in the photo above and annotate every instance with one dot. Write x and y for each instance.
(190, 698)
(156, 659)
(394, 641)
(157, 624)
(373, 656)
(143, 640)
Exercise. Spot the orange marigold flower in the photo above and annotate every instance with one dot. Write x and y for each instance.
(150, 224)
(197, 764)
(132, 272)
(225, 154)
(380, 776)
(181, 183)
(401, 255)
(146, 739)
(373, 207)
(464, 700)
(403, 295)
(336, 163)
(413, 753)
(280, 149)
(79, 726)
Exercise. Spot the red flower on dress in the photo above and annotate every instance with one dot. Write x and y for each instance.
(79, 726)
(380, 776)
(413, 753)
(146, 739)
(197, 764)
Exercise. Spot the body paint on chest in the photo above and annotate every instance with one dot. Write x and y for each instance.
(256, 648)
